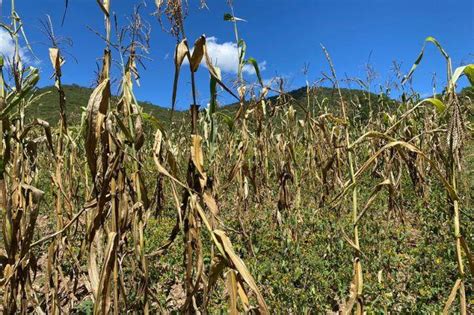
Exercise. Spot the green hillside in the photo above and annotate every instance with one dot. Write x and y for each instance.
(77, 97)
(46, 107)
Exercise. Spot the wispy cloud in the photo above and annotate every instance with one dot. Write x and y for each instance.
(226, 57)
(7, 47)
(274, 82)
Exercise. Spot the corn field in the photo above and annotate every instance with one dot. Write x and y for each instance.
(278, 207)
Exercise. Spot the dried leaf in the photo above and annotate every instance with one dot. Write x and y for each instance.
(181, 51)
(96, 112)
(102, 303)
(56, 60)
(452, 296)
(239, 265)
(198, 53)
(232, 291)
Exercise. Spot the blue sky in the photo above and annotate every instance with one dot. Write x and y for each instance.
(283, 35)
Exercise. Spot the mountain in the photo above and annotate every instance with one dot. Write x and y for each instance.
(46, 106)
(329, 98)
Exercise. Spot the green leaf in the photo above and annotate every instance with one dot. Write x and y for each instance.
(153, 120)
(415, 64)
(229, 121)
(469, 72)
(28, 84)
(254, 62)
(429, 39)
(440, 107)
(433, 40)
(242, 50)
(230, 17)
(213, 90)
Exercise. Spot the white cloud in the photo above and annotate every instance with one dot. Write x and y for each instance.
(7, 47)
(226, 57)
